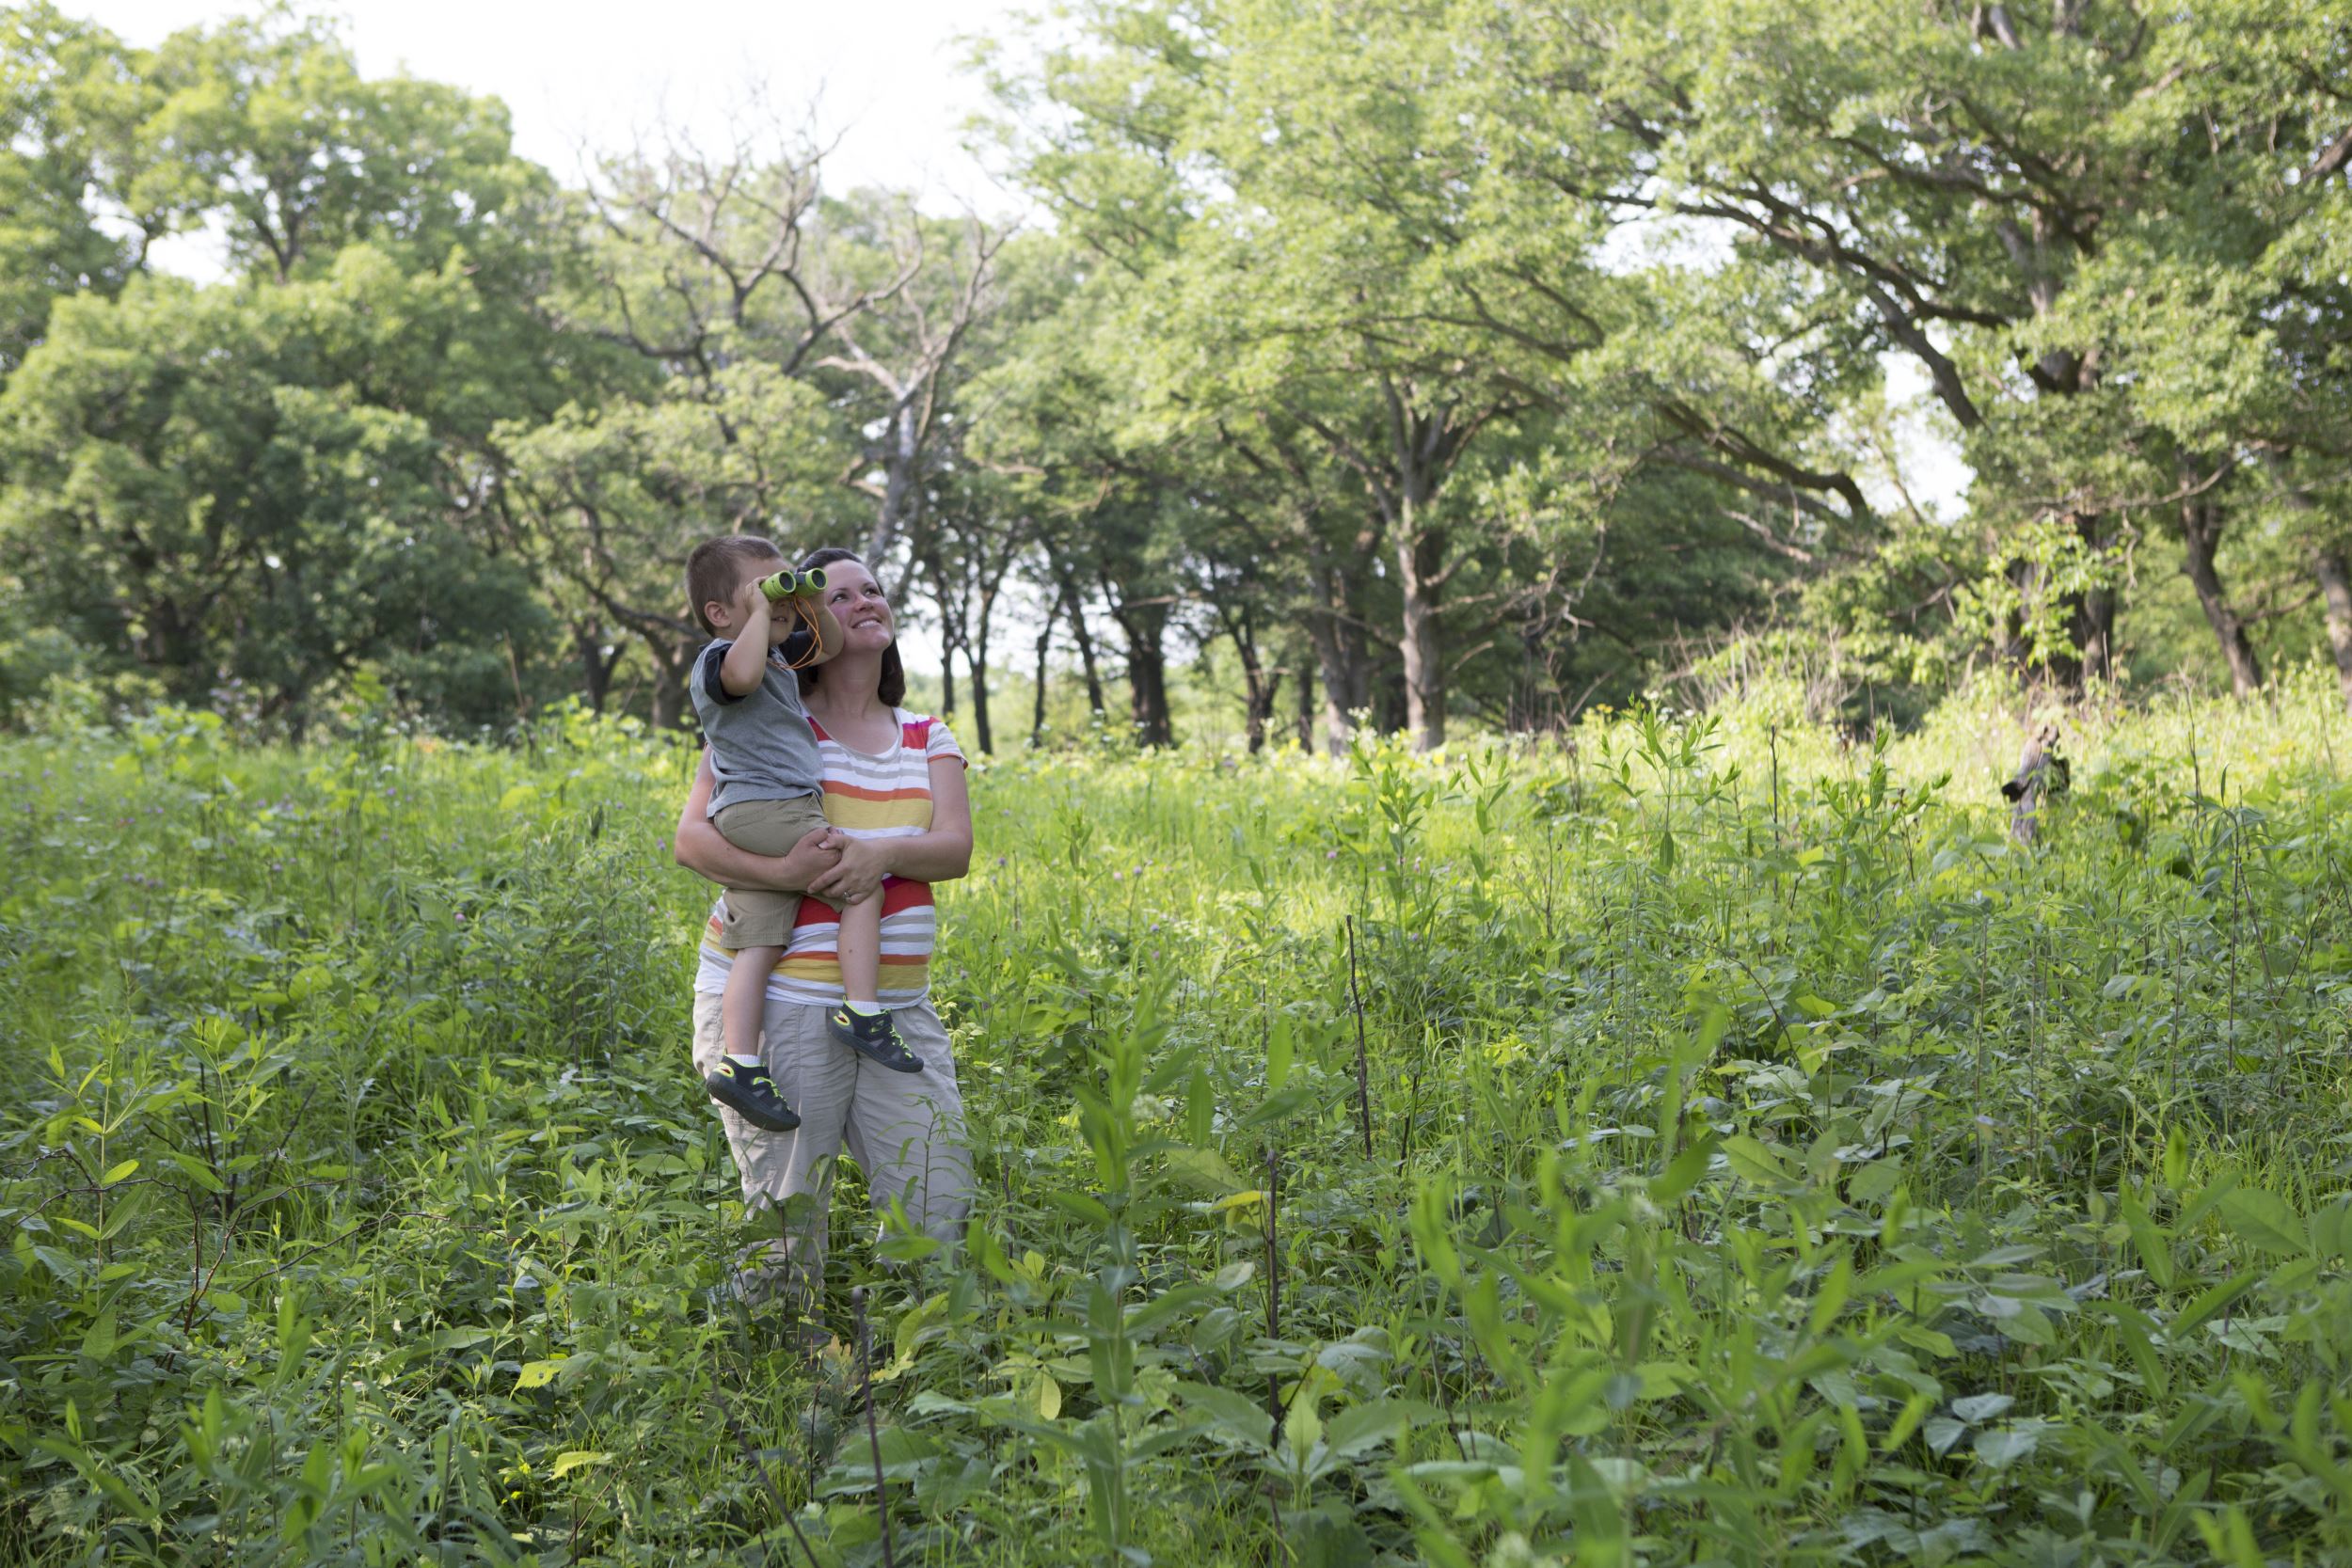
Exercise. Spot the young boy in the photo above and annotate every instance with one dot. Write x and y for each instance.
(767, 796)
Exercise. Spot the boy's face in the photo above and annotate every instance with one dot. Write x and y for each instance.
(728, 615)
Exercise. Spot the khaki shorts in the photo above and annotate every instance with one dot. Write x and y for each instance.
(762, 917)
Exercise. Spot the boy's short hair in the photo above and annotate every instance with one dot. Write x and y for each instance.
(718, 566)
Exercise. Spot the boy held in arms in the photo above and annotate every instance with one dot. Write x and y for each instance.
(767, 797)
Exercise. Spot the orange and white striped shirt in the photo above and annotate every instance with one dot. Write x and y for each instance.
(887, 796)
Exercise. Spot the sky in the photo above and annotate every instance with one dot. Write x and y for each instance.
(885, 73)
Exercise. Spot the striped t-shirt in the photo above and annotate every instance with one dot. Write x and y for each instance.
(865, 796)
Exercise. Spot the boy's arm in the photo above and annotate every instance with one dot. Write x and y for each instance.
(746, 663)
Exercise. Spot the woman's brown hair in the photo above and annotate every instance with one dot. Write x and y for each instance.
(892, 686)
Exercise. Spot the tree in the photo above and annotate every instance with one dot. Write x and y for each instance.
(713, 284)
(196, 482)
(60, 85)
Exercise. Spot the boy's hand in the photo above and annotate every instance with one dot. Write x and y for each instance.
(751, 604)
(815, 854)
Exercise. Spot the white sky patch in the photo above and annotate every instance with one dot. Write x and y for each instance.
(1933, 469)
(886, 77)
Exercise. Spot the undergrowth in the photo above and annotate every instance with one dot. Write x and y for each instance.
(1711, 1142)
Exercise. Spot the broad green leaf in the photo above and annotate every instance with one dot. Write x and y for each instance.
(1203, 1170)
(2265, 1221)
(2006, 1447)
(1754, 1162)
(1361, 1428)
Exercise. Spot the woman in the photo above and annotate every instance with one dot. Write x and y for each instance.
(900, 820)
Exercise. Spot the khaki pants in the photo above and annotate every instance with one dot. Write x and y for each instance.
(759, 916)
(905, 1130)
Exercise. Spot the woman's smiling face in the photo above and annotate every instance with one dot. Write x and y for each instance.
(857, 602)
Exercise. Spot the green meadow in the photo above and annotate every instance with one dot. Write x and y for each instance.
(1712, 1141)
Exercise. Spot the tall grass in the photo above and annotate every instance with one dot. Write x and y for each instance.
(1769, 1160)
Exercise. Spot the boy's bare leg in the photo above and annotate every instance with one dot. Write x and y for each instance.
(859, 949)
(741, 1080)
(746, 1000)
(862, 1024)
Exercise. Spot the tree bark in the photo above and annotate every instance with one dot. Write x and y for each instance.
(2094, 635)
(1419, 561)
(2335, 587)
(975, 660)
(977, 663)
(1036, 703)
(1146, 672)
(2200, 534)
(899, 505)
(1306, 722)
(674, 659)
(1336, 630)
(1084, 636)
(595, 665)
(1259, 688)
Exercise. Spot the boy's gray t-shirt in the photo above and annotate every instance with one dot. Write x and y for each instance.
(762, 746)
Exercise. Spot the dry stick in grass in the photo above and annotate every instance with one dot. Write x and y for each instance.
(1364, 1070)
(1275, 1409)
(873, 1433)
(1273, 1286)
(743, 1441)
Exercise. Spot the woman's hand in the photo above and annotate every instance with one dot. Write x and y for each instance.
(703, 850)
(863, 864)
(811, 859)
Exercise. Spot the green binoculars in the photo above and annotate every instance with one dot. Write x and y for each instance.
(788, 582)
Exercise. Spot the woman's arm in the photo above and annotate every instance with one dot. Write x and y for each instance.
(703, 850)
(939, 855)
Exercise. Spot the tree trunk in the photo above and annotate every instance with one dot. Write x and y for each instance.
(674, 661)
(1419, 561)
(2335, 587)
(2090, 652)
(2200, 533)
(901, 503)
(1391, 714)
(595, 665)
(1338, 644)
(1259, 688)
(1147, 672)
(1084, 636)
(975, 657)
(1036, 703)
(1306, 701)
(947, 679)
(977, 663)
(2094, 635)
